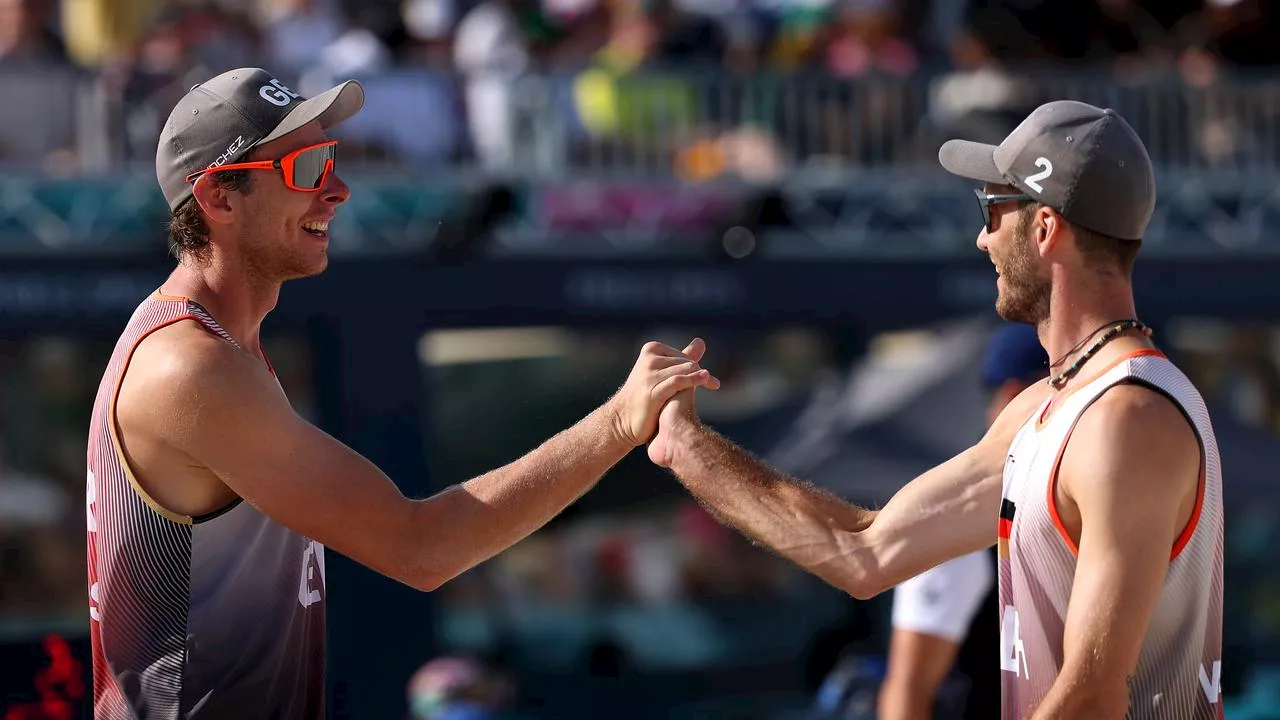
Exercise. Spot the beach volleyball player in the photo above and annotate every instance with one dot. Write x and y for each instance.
(1102, 487)
(210, 501)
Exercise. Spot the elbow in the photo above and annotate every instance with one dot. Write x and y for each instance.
(426, 577)
(427, 583)
(428, 571)
(856, 570)
(420, 559)
(418, 575)
(863, 587)
(428, 574)
(863, 592)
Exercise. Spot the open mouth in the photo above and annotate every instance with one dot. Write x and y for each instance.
(318, 228)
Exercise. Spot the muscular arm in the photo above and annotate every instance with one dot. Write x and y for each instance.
(222, 409)
(1128, 481)
(946, 512)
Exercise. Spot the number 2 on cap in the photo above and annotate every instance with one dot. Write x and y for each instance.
(1033, 181)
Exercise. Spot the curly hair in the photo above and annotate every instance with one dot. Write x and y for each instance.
(188, 233)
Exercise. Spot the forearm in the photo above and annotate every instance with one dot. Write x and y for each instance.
(469, 523)
(803, 523)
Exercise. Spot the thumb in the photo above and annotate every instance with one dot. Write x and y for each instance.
(695, 350)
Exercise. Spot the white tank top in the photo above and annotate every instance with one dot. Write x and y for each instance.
(1180, 665)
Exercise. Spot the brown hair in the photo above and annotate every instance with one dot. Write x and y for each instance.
(1101, 252)
(188, 233)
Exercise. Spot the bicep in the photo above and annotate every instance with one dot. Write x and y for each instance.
(1119, 572)
(242, 428)
(953, 509)
(949, 511)
(1127, 471)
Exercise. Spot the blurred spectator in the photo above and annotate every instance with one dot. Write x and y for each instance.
(297, 32)
(1239, 32)
(1132, 39)
(453, 688)
(696, 89)
(29, 500)
(411, 117)
(614, 100)
(980, 98)
(490, 54)
(25, 34)
(103, 33)
(1250, 377)
(219, 37)
(41, 567)
(360, 49)
(40, 130)
(866, 37)
(187, 44)
(429, 33)
(644, 101)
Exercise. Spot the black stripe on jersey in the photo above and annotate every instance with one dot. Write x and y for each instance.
(1007, 509)
(197, 519)
(1168, 396)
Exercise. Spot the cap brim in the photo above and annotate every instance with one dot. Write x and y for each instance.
(972, 160)
(329, 107)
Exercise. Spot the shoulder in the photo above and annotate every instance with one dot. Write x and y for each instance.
(183, 351)
(1136, 417)
(1132, 432)
(185, 367)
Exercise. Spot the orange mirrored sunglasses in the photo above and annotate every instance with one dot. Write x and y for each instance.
(304, 169)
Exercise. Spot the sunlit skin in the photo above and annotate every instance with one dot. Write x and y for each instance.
(1132, 468)
(257, 241)
(1022, 284)
(1044, 281)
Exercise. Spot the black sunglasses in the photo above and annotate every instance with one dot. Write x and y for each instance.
(985, 202)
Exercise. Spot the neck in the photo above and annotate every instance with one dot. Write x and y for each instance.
(236, 297)
(1076, 311)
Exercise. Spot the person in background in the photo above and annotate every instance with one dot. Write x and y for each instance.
(456, 688)
(933, 611)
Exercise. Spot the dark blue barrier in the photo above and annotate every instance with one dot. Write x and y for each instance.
(362, 318)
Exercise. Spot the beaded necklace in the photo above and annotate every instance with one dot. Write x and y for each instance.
(1057, 381)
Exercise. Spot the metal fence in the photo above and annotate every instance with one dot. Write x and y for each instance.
(684, 125)
(697, 126)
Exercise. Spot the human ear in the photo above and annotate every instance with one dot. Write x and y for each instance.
(214, 200)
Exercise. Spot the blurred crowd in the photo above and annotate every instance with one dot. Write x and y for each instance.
(697, 87)
(47, 393)
(48, 384)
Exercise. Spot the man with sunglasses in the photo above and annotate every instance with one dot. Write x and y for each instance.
(1101, 488)
(209, 501)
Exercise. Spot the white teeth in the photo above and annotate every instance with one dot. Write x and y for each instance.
(316, 226)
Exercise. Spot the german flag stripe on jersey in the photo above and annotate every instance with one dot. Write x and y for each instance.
(1007, 509)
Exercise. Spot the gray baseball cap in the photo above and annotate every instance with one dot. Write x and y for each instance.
(221, 120)
(1083, 161)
